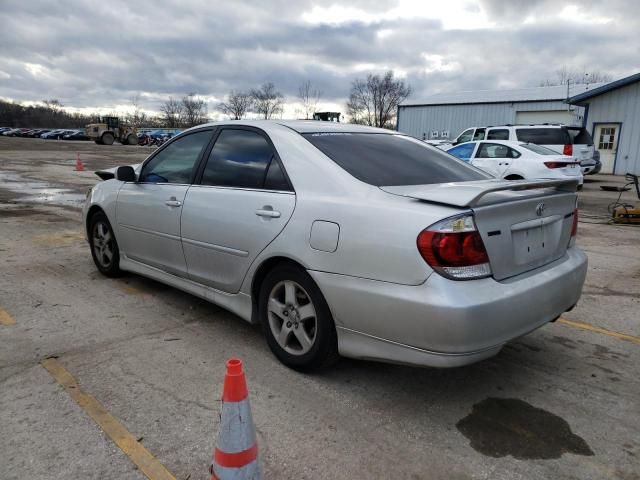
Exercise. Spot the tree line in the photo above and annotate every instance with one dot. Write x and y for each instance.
(372, 101)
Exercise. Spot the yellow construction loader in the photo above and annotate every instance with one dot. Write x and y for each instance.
(110, 129)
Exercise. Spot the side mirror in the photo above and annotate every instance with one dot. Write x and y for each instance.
(126, 174)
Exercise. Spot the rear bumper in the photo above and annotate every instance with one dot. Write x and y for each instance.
(445, 323)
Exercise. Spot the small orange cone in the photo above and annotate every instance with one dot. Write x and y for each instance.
(79, 165)
(236, 453)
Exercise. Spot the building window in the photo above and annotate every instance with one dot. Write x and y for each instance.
(607, 137)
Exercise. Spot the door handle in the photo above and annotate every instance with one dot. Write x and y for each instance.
(268, 212)
(173, 202)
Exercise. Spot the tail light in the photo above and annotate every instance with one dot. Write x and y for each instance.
(557, 164)
(574, 226)
(454, 249)
(568, 149)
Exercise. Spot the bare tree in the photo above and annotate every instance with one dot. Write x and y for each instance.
(309, 98)
(267, 101)
(172, 113)
(374, 101)
(194, 110)
(566, 74)
(138, 117)
(237, 104)
(53, 105)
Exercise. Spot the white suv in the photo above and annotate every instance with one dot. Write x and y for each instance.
(573, 141)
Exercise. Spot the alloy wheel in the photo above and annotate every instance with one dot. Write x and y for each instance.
(292, 317)
(103, 245)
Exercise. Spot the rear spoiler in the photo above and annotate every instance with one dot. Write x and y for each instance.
(469, 194)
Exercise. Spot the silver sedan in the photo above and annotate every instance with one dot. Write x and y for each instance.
(343, 240)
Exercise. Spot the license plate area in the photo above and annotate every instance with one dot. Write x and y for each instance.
(531, 244)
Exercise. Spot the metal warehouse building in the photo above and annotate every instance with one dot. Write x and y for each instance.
(612, 115)
(447, 115)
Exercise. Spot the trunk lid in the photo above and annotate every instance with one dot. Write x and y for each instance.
(523, 224)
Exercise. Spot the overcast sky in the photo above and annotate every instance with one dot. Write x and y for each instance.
(98, 55)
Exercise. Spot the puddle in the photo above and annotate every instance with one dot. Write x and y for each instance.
(497, 427)
(32, 191)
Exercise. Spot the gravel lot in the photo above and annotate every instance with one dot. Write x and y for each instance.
(562, 402)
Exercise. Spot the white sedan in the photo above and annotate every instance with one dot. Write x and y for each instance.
(517, 160)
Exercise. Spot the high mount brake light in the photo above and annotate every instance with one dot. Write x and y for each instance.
(568, 149)
(454, 248)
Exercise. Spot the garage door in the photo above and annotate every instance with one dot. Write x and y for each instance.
(546, 116)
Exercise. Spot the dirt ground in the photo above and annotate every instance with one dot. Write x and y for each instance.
(561, 402)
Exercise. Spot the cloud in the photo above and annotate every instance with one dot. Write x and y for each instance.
(92, 55)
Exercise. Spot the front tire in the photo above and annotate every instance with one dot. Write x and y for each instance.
(104, 247)
(132, 139)
(108, 138)
(296, 320)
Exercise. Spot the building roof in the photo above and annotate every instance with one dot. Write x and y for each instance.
(607, 87)
(531, 94)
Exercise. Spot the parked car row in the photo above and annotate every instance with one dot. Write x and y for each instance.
(46, 133)
(152, 138)
(575, 142)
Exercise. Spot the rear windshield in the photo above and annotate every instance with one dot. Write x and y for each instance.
(544, 136)
(580, 136)
(388, 160)
(539, 149)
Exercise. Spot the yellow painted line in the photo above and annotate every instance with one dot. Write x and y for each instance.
(6, 319)
(66, 237)
(603, 331)
(145, 461)
(133, 290)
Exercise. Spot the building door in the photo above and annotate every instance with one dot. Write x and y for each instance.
(606, 140)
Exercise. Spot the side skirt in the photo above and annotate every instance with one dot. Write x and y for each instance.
(238, 303)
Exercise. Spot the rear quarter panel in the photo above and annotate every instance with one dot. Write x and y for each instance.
(377, 239)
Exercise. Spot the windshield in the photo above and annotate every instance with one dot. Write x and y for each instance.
(538, 149)
(390, 160)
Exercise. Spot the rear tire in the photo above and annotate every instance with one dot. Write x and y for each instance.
(296, 320)
(104, 247)
(107, 138)
(98, 142)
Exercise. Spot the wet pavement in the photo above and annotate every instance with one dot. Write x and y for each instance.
(29, 191)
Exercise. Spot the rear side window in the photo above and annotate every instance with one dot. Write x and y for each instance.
(388, 160)
(544, 136)
(539, 149)
(243, 159)
(580, 136)
(498, 134)
(496, 150)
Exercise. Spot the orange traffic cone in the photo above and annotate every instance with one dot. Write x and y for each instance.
(79, 165)
(236, 453)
